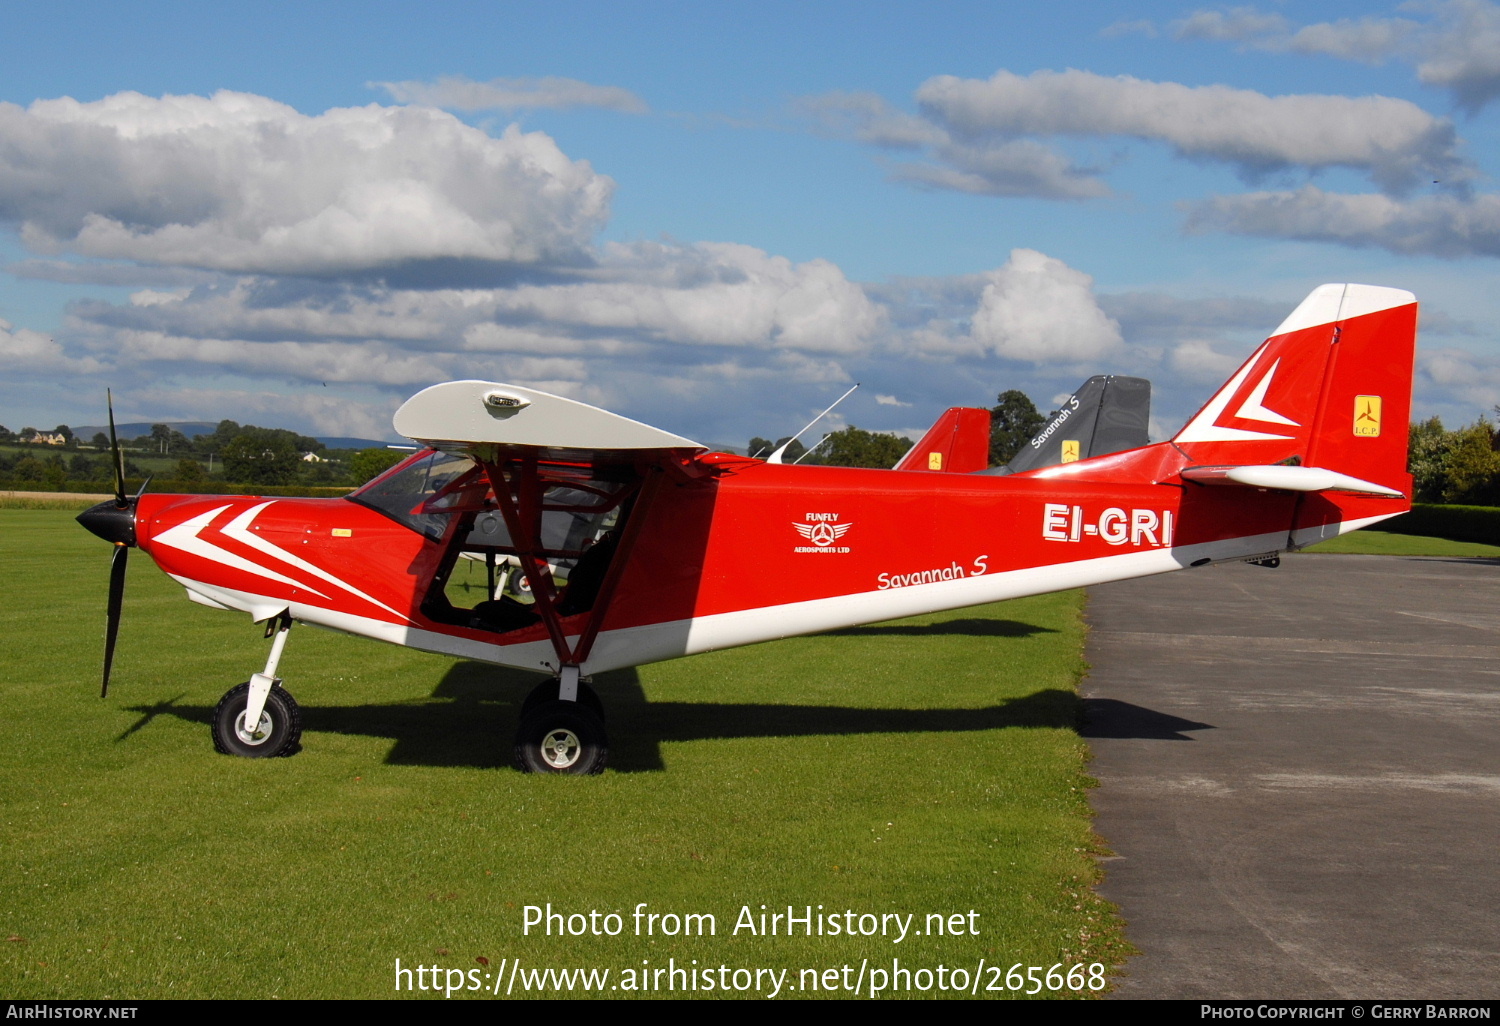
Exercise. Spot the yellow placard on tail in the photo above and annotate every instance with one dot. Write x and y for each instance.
(1367, 416)
(934, 461)
(1070, 451)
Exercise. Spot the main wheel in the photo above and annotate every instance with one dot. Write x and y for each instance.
(277, 733)
(561, 737)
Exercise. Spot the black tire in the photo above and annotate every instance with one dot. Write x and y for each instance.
(281, 725)
(561, 737)
(547, 691)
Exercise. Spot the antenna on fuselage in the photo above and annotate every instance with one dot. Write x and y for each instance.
(776, 456)
(812, 448)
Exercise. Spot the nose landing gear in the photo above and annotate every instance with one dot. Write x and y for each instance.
(277, 731)
(260, 719)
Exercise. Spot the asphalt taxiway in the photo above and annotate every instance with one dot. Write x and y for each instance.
(1299, 777)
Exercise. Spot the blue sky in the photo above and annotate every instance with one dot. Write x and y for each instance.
(715, 217)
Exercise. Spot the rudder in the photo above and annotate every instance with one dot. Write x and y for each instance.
(1331, 388)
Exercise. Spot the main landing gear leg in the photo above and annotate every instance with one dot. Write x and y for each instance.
(567, 684)
(562, 728)
(260, 718)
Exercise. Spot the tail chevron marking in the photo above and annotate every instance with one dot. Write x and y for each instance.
(1206, 428)
(1253, 408)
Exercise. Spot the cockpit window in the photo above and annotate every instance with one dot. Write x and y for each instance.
(404, 492)
(572, 516)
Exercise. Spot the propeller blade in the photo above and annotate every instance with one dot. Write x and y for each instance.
(116, 458)
(112, 615)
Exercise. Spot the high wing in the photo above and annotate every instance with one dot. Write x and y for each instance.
(479, 415)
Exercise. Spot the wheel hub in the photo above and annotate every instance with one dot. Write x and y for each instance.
(561, 748)
(258, 735)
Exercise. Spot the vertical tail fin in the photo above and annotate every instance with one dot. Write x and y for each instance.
(959, 443)
(1109, 413)
(1331, 388)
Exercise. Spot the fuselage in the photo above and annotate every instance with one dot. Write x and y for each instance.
(728, 551)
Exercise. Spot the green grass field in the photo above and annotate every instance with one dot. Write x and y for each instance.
(926, 766)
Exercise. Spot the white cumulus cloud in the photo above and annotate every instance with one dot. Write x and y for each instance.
(1018, 167)
(318, 413)
(1455, 374)
(709, 293)
(1198, 361)
(240, 183)
(1367, 40)
(1013, 167)
(23, 351)
(1457, 48)
(1237, 23)
(1444, 226)
(1039, 309)
(1394, 141)
(1463, 54)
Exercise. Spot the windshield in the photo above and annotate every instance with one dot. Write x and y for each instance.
(403, 492)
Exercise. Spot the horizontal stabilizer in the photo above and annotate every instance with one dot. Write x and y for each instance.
(461, 413)
(1286, 478)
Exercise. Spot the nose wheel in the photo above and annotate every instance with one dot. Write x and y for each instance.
(260, 719)
(277, 730)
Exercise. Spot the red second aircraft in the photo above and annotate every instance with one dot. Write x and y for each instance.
(669, 549)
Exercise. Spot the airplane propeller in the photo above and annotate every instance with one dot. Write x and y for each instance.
(114, 521)
(112, 616)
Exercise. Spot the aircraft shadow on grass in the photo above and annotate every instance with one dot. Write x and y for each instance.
(151, 712)
(1111, 718)
(477, 706)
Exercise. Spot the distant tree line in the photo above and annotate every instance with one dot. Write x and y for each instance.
(232, 453)
(1461, 466)
(850, 447)
(1013, 421)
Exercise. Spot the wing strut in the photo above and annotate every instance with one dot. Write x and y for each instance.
(519, 492)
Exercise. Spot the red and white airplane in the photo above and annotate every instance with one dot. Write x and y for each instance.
(673, 549)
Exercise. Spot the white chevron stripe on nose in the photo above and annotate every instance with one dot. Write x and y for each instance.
(239, 530)
(186, 538)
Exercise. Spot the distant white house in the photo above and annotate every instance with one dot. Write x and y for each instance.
(46, 438)
(312, 457)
